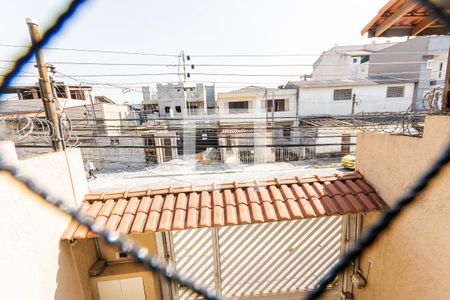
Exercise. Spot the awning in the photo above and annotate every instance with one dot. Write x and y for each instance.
(407, 18)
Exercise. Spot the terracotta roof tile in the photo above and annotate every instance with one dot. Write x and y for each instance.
(193, 211)
(234, 203)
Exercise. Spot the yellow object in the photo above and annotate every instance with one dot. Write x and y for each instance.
(348, 161)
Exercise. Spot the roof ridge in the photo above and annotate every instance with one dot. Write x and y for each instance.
(103, 196)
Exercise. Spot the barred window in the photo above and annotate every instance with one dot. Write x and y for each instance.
(342, 94)
(395, 92)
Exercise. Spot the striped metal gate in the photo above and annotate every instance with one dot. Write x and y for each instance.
(269, 260)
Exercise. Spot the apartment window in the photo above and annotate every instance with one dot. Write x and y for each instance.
(167, 109)
(151, 108)
(342, 94)
(395, 92)
(114, 141)
(77, 94)
(355, 60)
(178, 109)
(238, 107)
(280, 105)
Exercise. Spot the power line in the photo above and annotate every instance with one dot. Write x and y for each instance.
(218, 65)
(95, 51)
(205, 55)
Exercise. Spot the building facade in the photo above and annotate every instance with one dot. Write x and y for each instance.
(423, 59)
(179, 99)
(345, 61)
(353, 96)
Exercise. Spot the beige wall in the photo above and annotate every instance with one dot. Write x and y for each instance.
(34, 265)
(412, 258)
(84, 255)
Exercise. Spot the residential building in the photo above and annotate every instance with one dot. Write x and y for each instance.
(346, 61)
(353, 96)
(423, 59)
(255, 115)
(66, 94)
(179, 99)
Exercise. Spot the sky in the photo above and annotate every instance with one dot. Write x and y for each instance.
(197, 27)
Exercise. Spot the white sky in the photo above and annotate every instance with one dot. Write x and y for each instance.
(195, 26)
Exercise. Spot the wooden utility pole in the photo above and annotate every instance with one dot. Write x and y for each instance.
(47, 95)
(353, 108)
(446, 94)
(273, 108)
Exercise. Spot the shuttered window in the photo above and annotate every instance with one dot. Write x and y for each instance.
(342, 94)
(395, 92)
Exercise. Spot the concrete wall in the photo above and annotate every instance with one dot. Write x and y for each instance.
(35, 265)
(370, 98)
(411, 260)
(335, 65)
(173, 94)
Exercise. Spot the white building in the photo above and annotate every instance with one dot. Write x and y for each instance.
(248, 119)
(254, 104)
(179, 99)
(335, 97)
(345, 61)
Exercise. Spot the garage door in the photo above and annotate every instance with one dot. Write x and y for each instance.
(270, 260)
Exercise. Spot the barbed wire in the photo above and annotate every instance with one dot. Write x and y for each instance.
(26, 128)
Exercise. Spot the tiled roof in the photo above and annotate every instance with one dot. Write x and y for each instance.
(226, 204)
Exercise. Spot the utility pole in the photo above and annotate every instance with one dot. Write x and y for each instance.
(446, 93)
(273, 108)
(353, 108)
(48, 98)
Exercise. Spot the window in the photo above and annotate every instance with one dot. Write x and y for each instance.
(77, 94)
(114, 141)
(342, 94)
(178, 109)
(355, 60)
(280, 105)
(151, 108)
(167, 109)
(364, 59)
(238, 107)
(395, 92)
